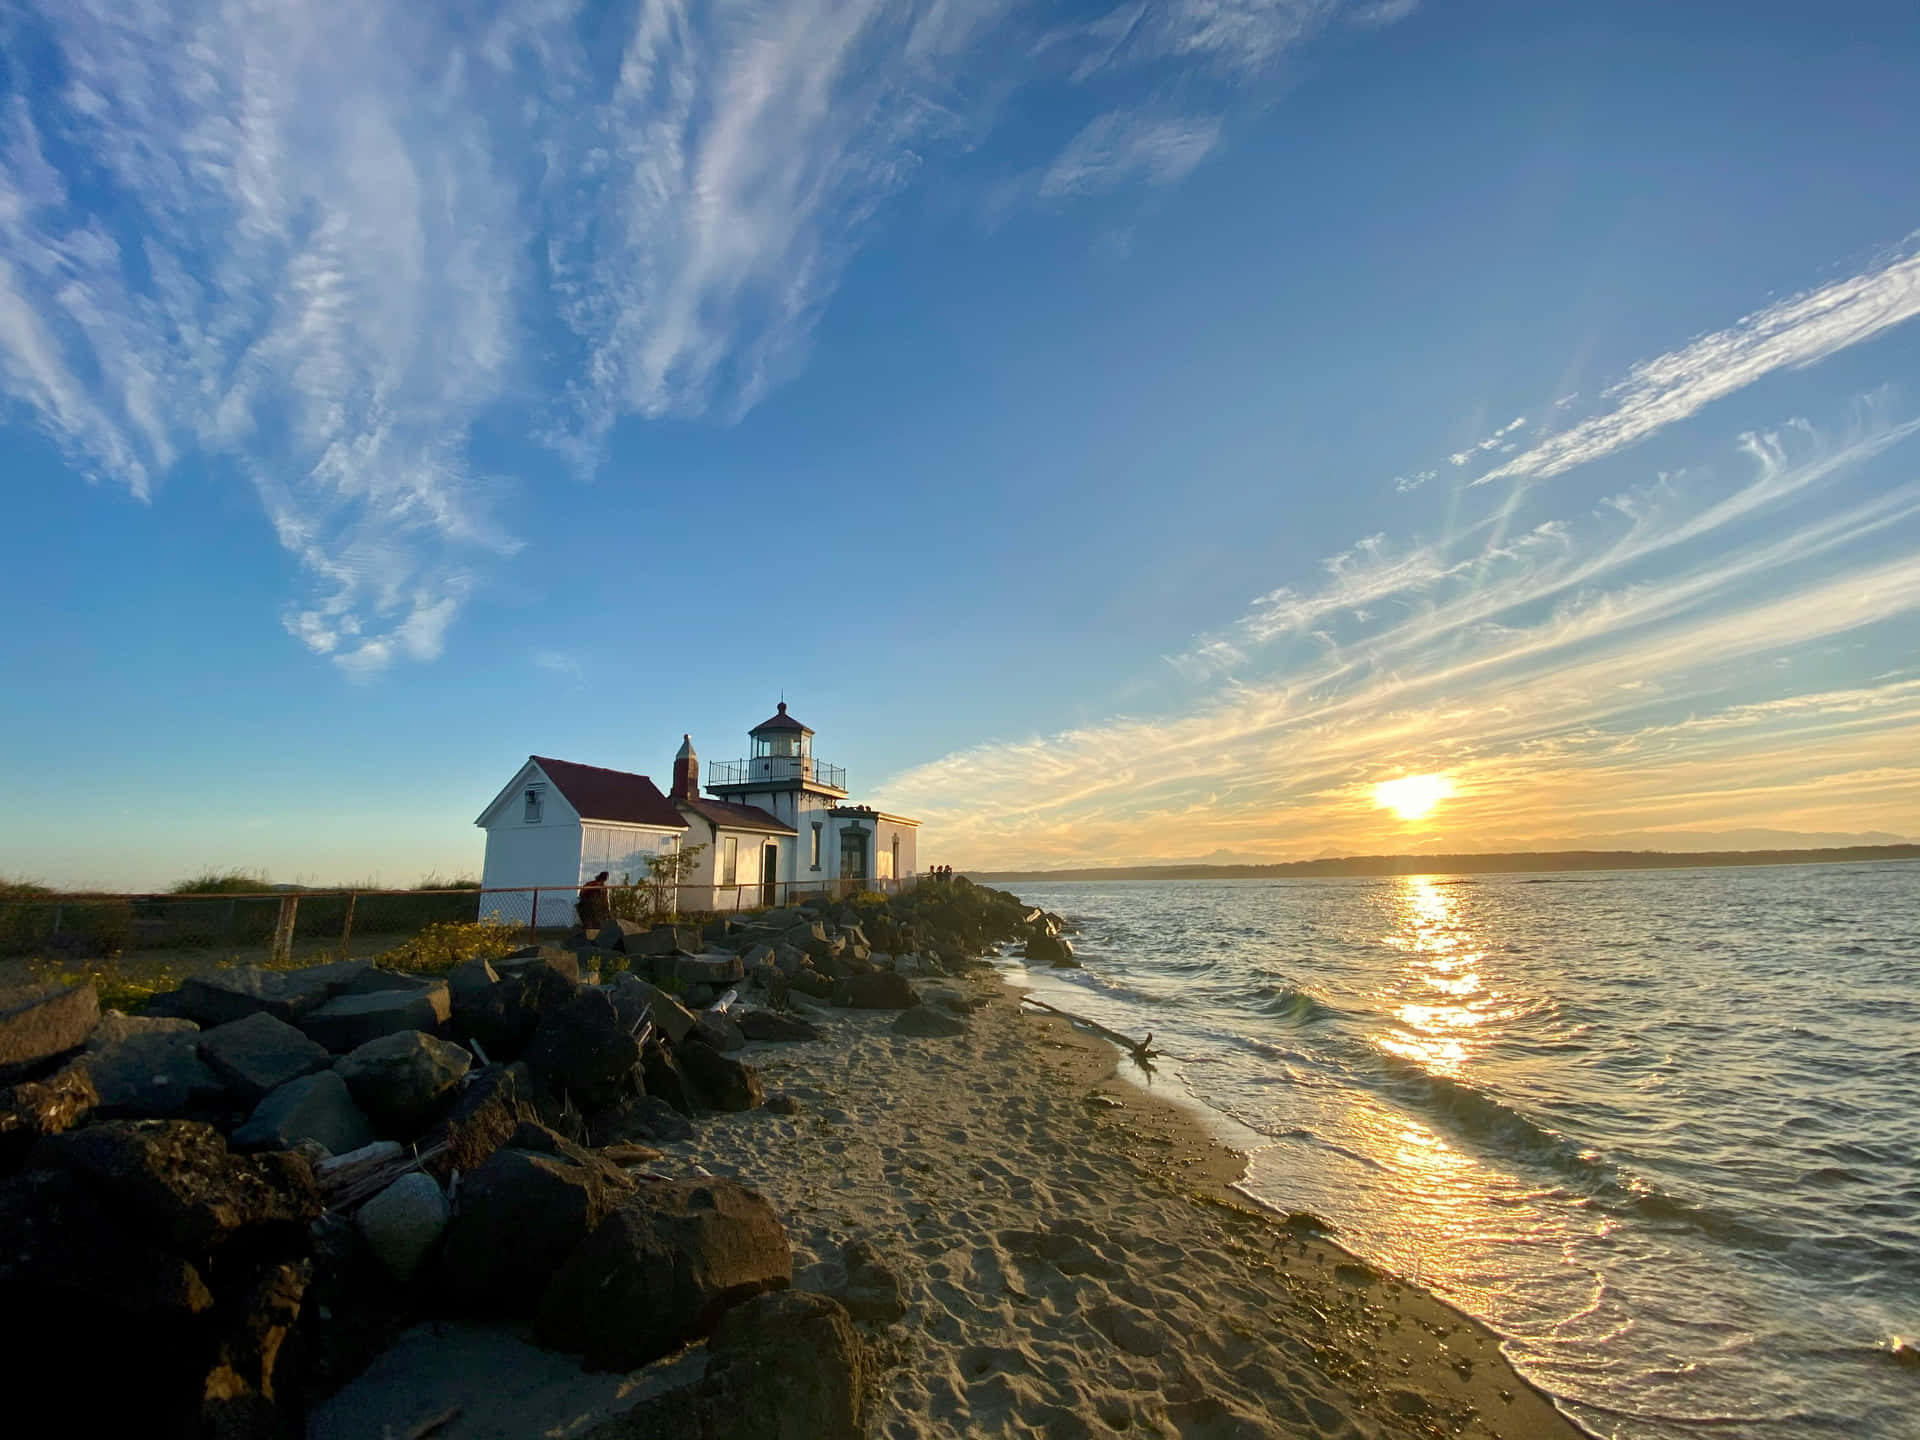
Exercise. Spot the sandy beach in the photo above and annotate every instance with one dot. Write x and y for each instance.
(1069, 1253)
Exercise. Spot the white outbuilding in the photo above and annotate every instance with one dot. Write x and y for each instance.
(774, 824)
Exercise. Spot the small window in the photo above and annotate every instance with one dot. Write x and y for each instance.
(815, 862)
(535, 794)
(730, 861)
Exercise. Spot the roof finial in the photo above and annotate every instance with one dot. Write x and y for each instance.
(783, 704)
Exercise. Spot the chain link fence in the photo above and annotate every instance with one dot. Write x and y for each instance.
(274, 922)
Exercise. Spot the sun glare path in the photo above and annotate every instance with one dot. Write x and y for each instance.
(1412, 797)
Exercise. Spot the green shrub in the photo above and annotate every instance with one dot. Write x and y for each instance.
(447, 943)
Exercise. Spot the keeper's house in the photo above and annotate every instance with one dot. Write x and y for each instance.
(774, 824)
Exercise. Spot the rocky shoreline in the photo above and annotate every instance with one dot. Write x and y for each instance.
(344, 1201)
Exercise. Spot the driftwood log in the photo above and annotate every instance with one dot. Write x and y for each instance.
(1141, 1051)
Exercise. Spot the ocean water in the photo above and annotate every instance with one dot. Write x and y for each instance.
(1659, 1129)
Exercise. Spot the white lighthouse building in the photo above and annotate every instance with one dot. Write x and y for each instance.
(773, 825)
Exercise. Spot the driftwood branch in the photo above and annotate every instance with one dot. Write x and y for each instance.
(347, 1187)
(1142, 1051)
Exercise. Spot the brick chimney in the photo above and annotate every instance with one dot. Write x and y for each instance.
(686, 771)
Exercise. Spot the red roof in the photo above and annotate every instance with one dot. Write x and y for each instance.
(780, 720)
(736, 817)
(611, 794)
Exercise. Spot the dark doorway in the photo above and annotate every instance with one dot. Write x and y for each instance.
(853, 854)
(770, 876)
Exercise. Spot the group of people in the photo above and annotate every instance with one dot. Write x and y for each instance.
(942, 873)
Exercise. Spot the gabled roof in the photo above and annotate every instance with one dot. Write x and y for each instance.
(613, 795)
(779, 720)
(736, 817)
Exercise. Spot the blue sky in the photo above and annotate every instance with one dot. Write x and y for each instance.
(1122, 433)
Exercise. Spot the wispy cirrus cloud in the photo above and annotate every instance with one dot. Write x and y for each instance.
(1618, 667)
(1788, 334)
(316, 245)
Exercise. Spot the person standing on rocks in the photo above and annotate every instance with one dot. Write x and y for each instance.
(593, 909)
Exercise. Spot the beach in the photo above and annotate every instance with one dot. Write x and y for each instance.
(1069, 1254)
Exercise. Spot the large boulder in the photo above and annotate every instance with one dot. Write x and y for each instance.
(484, 1115)
(661, 1269)
(315, 1107)
(714, 970)
(217, 997)
(465, 982)
(151, 1074)
(402, 1081)
(176, 1183)
(1051, 950)
(503, 1017)
(117, 1025)
(403, 1223)
(724, 1082)
(259, 1053)
(560, 959)
(882, 990)
(666, 1079)
(521, 1214)
(582, 1049)
(38, 1022)
(349, 1021)
(785, 1365)
(634, 998)
(33, 1109)
(645, 1118)
(776, 1025)
(616, 932)
(720, 1030)
(241, 1396)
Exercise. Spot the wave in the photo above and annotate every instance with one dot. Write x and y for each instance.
(1297, 1007)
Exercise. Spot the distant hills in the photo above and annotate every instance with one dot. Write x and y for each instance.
(1516, 862)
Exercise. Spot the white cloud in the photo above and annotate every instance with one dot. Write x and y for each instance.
(1122, 147)
(1790, 334)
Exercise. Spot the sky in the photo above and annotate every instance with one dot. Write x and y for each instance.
(1123, 433)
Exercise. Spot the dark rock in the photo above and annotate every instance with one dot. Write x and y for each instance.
(403, 1223)
(218, 997)
(467, 981)
(557, 958)
(1052, 950)
(928, 1020)
(634, 997)
(772, 1025)
(155, 1074)
(784, 1105)
(805, 933)
(882, 990)
(724, 1082)
(521, 1214)
(503, 1018)
(661, 1269)
(374, 978)
(644, 1118)
(667, 1080)
(872, 1290)
(809, 981)
(582, 1049)
(315, 1107)
(616, 932)
(663, 940)
(176, 1183)
(484, 1114)
(718, 970)
(116, 1025)
(39, 1022)
(259, 1053)
(719, 1030)
(781, 1366)
(401, 1081)
(789, 961)
(33, 1109)
(241, 1397)
(758, 954)
(349, 1021)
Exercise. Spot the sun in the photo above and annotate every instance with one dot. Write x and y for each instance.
(1412, 797)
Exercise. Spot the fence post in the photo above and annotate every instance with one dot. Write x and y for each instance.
(228, 935)
(58, 910)
(346, 930)
(283, 928)
(533, 917)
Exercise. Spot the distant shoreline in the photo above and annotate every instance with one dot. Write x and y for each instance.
(1519, 862)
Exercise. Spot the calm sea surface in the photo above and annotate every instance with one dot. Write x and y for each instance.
(1661, 1129)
